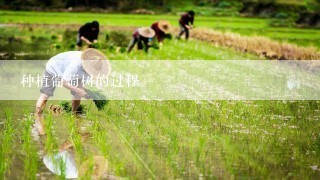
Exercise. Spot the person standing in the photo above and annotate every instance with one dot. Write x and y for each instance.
(142, 36)
(161, 28)
(186, 23)
(88, 33)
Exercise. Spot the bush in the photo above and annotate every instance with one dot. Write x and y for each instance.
(201, 3)
(281, 15)
(224, 4)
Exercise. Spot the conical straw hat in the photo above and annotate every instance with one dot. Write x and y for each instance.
(165, 26)
(99, 165)
(95, 63)
(146, 32)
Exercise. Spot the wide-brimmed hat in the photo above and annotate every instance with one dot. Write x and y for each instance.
(146, 32)
(164, 26)
(98, 164)
(95, 63)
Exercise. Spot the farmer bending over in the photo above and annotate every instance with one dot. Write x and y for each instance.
(142, 37)
(88, 33)
(70, 67)
(184, 23)
(161, 28)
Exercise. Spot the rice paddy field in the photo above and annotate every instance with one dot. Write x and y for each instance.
(156, 139)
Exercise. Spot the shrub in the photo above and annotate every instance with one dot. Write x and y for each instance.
(224, 4)
(281, 15)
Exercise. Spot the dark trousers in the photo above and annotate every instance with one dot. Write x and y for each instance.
(79, 41)
(141, 43)
(183, 29)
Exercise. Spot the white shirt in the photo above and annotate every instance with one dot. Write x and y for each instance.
(67, 66)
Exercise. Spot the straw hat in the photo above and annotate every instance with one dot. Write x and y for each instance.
(164, 26)
(95, 63)
(98, 164)
(146, 32)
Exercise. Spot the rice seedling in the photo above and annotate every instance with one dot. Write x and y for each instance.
(31, 156)
(50, 144)
(66, 105)
(98, 98)
(75, 137)
(100, 137)
(7, 143)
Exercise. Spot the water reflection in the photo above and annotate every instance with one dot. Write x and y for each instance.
(62, 161)
(65, 162)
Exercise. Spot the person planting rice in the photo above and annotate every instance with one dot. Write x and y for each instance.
(142, 36)
(72, 68)
(184, 23)
(88, 33)
(161, 28)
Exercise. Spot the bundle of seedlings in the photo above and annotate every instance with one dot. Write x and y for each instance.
(66, 105)
(99, 99)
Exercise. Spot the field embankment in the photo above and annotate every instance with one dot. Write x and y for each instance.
(258, 45)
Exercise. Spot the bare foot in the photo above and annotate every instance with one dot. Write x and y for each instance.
(39, 126)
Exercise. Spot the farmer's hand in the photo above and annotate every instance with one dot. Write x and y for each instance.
(160, 45)
(89, 43)
(79, 91)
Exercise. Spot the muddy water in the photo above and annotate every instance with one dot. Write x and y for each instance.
(61, 135)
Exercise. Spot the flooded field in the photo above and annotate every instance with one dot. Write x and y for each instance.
(169, 139)
(153, 139)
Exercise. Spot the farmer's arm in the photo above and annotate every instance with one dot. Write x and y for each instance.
(85, 40)
(191, 19)
(79, 91)
(71, 70)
